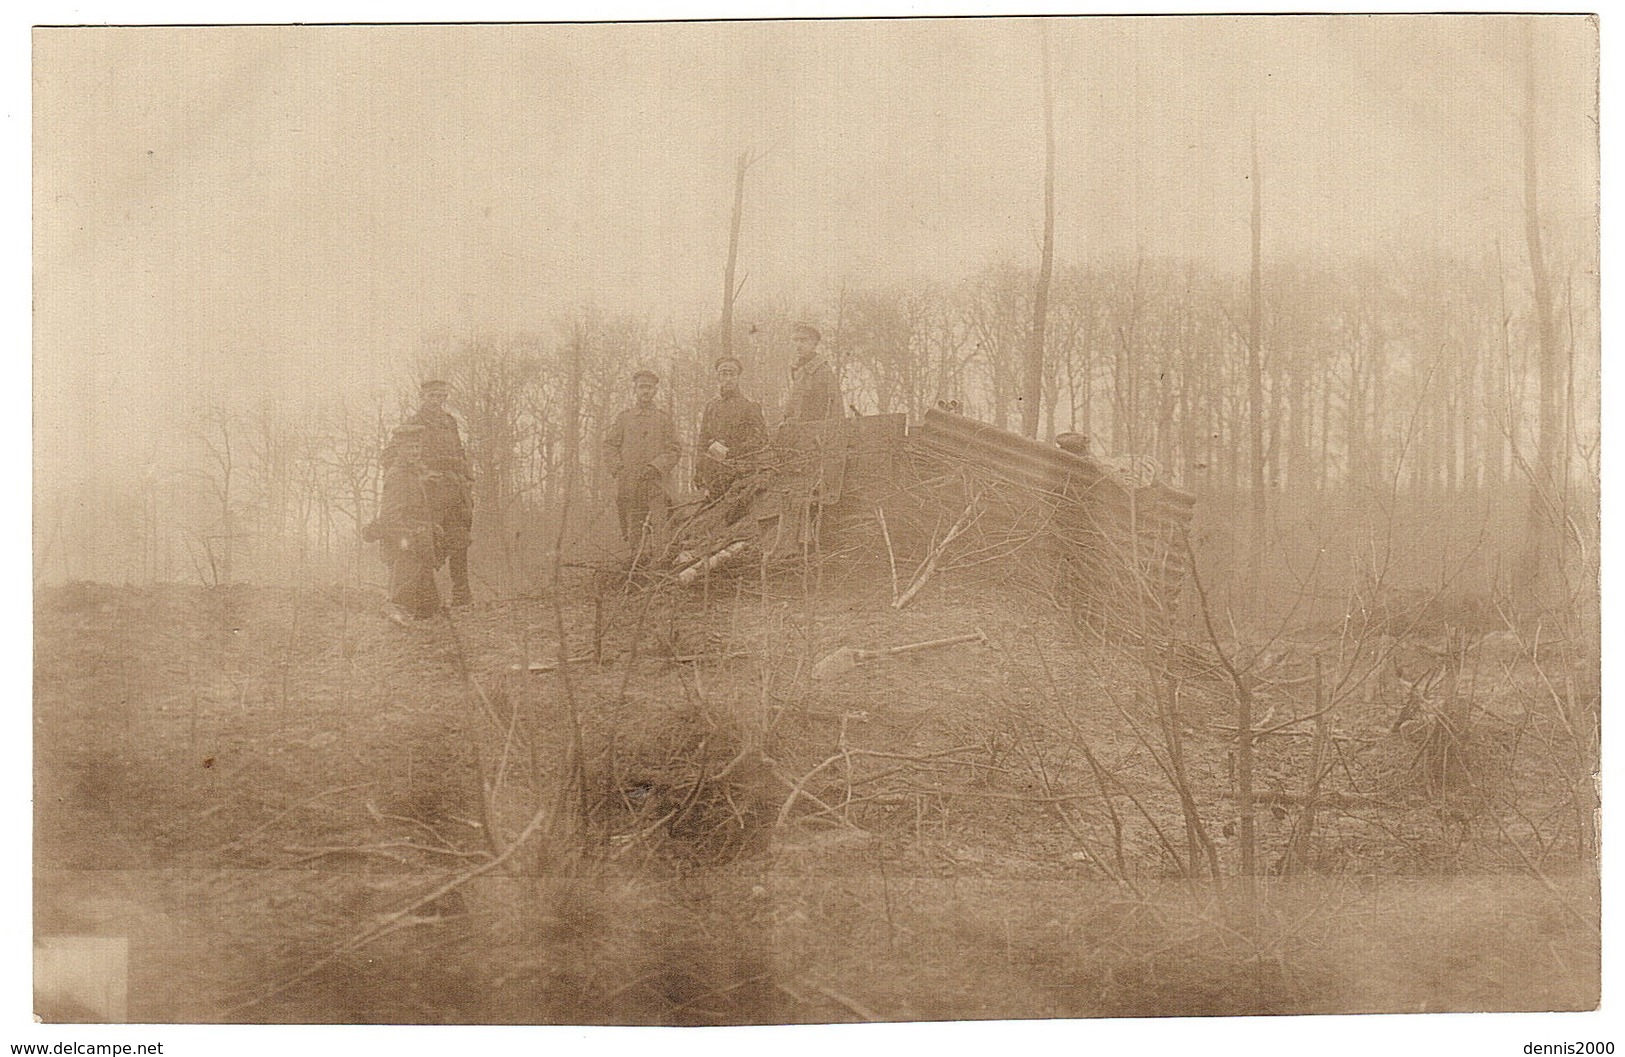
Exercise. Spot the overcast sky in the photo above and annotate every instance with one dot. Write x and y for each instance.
(245, 211)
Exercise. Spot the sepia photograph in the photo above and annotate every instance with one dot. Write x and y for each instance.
(816, 521)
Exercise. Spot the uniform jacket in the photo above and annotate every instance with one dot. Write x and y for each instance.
(815, 395)
(443, 443)
(640, 440)
(405, 521)
(738, 423)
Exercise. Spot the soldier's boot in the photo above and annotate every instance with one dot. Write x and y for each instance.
(460, 594)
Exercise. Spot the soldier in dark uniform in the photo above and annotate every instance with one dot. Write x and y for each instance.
(450, 482)
(405, 526)
(731, 428)
(641, 448)
(815, 394)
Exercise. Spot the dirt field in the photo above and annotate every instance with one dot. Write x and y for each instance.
(296, 811)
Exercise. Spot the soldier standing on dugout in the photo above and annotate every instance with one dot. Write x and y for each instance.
(815, 394)
(450, 482)
(406, 527)
(641, 448)
(731, 427)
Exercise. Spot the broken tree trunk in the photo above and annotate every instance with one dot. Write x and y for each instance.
(728, 287)
(1032, 394)
(928, 568)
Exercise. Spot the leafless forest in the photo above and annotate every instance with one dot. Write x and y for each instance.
(1330, 749)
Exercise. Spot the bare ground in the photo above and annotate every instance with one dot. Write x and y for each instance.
(298, 812)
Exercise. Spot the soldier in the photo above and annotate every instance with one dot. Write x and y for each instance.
(641, 448)
(731, 427)
(405, 525)
(815, 395)
(450, 482)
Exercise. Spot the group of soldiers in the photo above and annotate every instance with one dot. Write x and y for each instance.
(426, 512)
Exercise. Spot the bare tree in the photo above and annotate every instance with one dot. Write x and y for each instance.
(217, 471)
(997, 315)
(1255, 370)
(1544, 540)
(729, 290)
(269, 469)
(1033, 387)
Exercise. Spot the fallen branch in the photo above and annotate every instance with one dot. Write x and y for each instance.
(891, 554)
(390, 922)
(632, 840)
(341, 850)
(929, 567)
(257, 830)
(382, 847)
(692, 573)
(383, 816)
(798, 788)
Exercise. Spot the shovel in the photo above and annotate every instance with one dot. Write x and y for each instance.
(847, 658)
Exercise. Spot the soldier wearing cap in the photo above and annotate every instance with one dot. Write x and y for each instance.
(815, 394)
(450, 482)
(406, 527)
(641, 449)
(731, 428)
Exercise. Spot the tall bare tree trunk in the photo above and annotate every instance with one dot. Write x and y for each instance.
(1300, 433)
(1033, 387)
(1471, 452)
(1323, 468)
(1376, 438)
(1255, 369)
(1452, 427)
(571, 463)
(1125, 375)
(1543, 539)
(1503, 424)
(728, 287)
(1275, 421)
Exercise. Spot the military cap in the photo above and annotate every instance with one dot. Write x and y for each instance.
(807, 329)
(638, 376)
(728, 359)
(435, 385)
